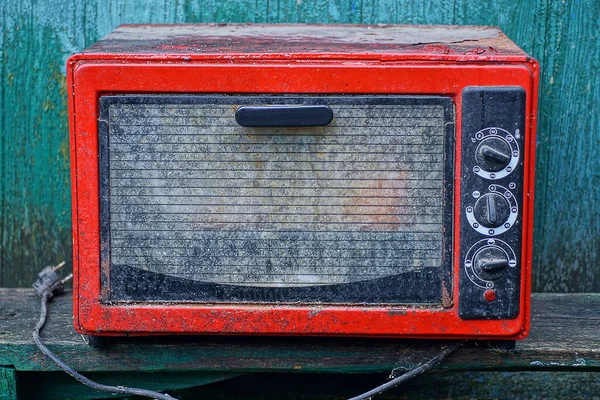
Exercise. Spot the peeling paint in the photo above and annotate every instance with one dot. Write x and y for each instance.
(577, 362)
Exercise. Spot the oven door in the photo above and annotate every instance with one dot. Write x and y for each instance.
(316, 199)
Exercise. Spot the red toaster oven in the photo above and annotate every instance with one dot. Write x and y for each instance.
(303, 180)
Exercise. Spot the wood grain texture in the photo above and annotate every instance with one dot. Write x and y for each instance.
(435, 385)
(457, 385)
(60, 386)
(8, 384)
(37, 36)
(564, 337)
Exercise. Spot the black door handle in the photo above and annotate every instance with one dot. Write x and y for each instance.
(283, 116)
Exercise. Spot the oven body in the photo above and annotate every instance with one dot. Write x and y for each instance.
(409, 214)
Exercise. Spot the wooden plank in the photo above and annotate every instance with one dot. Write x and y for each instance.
(58, 385)
(463, 385)
(455, 385)
(8, 384)
(564, 336)
(568, 222)
(37, 36)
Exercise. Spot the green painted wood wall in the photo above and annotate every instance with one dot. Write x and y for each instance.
(37, 36)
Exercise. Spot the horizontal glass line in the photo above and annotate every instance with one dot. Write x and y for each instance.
(276, 205)
(200, 178)
(114, 152)
(112, 142)
(399, 268)
(275, 231)
(293, 246)
(246, 239)
(281, 161)
(275, 188)
(286, 196)
(117, 124)
(295, 134)
(180, 222)
(271, 170)
(256, 213)
(276, 257)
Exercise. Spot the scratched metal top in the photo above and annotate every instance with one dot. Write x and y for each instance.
(318, 40)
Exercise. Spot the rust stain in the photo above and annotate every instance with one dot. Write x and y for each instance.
(437, 48)
(290, 40)
(477, 50)
(104, 270)
(373, 195)
(447, 301)
(258, 161)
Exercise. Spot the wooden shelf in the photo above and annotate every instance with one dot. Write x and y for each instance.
(564, 342)
(564, 335)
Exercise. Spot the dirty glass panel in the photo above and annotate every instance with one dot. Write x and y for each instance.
(198, 208)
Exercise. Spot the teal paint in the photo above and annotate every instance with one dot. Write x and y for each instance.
(37, 36)
(58, 385)
(8, 384)
(428, 386)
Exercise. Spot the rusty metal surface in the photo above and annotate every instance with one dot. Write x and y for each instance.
(193, 195)
(353, 40)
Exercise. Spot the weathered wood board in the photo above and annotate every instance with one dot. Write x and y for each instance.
(455, 385)
(564, 336)
(36, 37)
(8, 384)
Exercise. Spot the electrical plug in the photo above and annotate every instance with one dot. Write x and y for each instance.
(49, 283)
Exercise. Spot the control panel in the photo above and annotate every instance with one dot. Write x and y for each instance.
(493, 125)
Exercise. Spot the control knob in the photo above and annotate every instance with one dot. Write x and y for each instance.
(491, 210)
(493, 154)
(490, 263)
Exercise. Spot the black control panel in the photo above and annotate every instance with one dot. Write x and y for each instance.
(493, 126)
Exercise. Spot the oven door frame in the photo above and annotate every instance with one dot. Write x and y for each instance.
(393, 289)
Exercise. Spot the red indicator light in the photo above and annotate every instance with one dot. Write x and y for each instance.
(489, 295)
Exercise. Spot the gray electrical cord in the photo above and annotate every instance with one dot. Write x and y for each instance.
(86, 381)
(49, 283)
(410, 374)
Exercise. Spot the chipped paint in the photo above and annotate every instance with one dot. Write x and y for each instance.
(577, 362)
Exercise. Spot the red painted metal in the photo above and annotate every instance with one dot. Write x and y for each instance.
(181, 65)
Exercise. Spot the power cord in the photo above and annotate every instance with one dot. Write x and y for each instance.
(50, 284)
(47, 286)
(410, 374)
